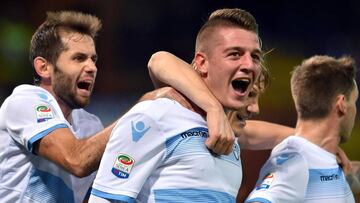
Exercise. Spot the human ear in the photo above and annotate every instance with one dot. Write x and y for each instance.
(201, 63)
(42, 67)
(341, 104)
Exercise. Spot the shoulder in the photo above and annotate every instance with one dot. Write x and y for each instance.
(81, 116)
(289, 150)
(29, 98)
(289, 144)
(160, 108)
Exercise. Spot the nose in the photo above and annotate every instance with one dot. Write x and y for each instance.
(249, 65)
(90, 67)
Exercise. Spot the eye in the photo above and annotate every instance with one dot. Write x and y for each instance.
(234, 54)
(94, 58)
(80, 57)
(256, 57)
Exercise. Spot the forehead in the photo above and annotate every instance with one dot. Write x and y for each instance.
(77, 42)
(234, 37)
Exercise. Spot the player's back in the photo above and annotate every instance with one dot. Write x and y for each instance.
(327, 182)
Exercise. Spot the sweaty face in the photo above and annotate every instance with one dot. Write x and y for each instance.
(75, 71)
(348, 122)
(233, 64)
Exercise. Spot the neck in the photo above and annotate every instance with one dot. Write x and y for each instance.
(322, 132)
(66, 110)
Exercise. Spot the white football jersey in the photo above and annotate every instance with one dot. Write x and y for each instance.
(300, 171)
(157, 153)
(27, 115)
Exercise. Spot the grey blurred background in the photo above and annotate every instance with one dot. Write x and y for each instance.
(133, 30)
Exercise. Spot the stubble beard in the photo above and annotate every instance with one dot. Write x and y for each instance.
(63, 89)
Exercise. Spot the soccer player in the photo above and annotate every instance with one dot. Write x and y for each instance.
(50, 146)
(303, 167)
(174, 71)
(156, 152)
(45, 133)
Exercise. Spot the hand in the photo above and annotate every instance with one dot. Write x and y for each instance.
(343, 161)
(221, 136)
(351, 170)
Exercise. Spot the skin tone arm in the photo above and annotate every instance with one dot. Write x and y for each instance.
(352, 172)
(259, 135)
(221, 136)
(80, 157)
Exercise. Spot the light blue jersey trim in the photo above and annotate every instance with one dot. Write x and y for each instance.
(42, 134)
(192, 195)
(192, 142)
(46, 187)
(184, 143)
(258, 199)
(106, 195)
(327, 183)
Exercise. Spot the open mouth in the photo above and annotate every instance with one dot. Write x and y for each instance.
(241, 85)
(84, 85)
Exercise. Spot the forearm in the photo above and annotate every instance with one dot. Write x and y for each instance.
(353, 177)
(259, 135)
(87, 155)
(165, 68)
(79, 157)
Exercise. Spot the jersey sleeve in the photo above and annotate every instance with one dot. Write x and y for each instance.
(282, 179)
(29, 119)
(135, 148)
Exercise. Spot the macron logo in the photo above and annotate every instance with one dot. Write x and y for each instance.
(138, 130)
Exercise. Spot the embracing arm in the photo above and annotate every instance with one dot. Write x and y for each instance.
(165, 68)
(80, 157)
(259, 135)
(353, 178)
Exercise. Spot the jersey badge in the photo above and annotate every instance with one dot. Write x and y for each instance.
(138, 130)
(43, 113)
(267, 180)
(122, 166)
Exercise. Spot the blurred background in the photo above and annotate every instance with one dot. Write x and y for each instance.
(133, 30)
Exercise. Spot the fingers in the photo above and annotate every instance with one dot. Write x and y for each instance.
(220, 144)
(221, 137)
(344, 161)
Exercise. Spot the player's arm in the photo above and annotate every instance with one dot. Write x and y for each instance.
(353, 178)
(259, 135)
(351, 170)
(165, 68)
(80, 157)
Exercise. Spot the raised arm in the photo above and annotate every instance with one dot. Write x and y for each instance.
(165, 68)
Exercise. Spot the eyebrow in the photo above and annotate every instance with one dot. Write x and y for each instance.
(257, 51)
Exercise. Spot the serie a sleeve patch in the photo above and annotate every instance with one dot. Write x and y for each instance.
(43, 113)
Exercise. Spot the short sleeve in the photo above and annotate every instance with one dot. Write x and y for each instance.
(29, 118)
(135, 149)
(282, 179)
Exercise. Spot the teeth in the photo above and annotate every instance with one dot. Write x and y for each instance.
(244, 80)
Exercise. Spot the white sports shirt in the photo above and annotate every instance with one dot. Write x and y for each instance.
(156, 153)
(27, 115)
(300, 171)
